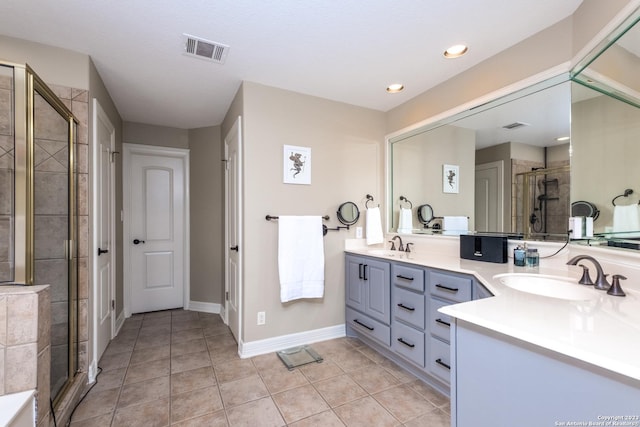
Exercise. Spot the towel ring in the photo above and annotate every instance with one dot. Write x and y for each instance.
(627, 192)
(369, 199)
(404, 199)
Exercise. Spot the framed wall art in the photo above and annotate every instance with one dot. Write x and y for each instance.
(297, 165)
(450, 178)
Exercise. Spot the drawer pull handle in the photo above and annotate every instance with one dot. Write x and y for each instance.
(446, 288)
(400, 276)
(401, 341)
(442, 322)
(360, 271)
(364, 272)
(401, 305)
(363, 325)
(440, 362)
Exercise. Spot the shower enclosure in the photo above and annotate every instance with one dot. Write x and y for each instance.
(541, 208)
(38, 222)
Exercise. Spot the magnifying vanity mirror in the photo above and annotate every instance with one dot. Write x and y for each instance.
(528, 161)
(348, 213)
(425, 214)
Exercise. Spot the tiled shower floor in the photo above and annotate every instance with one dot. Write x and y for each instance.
(181, 368)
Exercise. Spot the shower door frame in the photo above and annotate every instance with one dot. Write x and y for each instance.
(26, 84)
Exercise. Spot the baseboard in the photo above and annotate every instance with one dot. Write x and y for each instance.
(256, 348)
(119, 322)
(205, 307)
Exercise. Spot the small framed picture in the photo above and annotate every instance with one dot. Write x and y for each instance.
(297, 165)
(450, 178)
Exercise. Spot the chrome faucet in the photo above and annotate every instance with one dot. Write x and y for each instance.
(601, 280)
(400, 246)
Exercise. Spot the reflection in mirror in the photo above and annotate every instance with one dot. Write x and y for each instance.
(425, 214)
(7, 173)
(491, 146)
(348, 213)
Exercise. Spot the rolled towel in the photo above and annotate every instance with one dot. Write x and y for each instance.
(405, 221)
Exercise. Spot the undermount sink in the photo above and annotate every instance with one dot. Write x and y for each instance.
(385, 252)
(548, 286)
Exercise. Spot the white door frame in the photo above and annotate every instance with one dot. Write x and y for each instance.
(237, 127)
(151, 150)
(499, 166)
(100, 115)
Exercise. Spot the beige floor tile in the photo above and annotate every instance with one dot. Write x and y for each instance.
(144, 391)
(321, 371)
(156, 315)
(116, 348)
(365, 412)
(109, 362)
(435, 418)
(187, 362)
(149, 354)
(192, 346)
(132, 323)
(374, 379)
(242, 391)
(109, 379)
(216, 419)
(224, 355)
(352, 360)
(148, 414)
(234, 370)
(429, 393)
(299, 403)
(186, 335)
(324, 419)
(404, 403)
(195, 403)
(212, 330)
(147, 371)
(371, 353)
(395, 370)
(262, 412)
(193, 379)
(280, 379)
(100, 421)
(152, 340)
(221, 343)
(267, 361)
(339, 390)
(100, 403)
(184, 324)
(155, 330)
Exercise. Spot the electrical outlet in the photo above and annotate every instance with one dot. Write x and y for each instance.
(358, 232)
(261, 318)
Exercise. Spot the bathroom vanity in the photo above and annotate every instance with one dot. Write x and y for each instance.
(524, 356)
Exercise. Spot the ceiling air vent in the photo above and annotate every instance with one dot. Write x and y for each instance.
(515, 125)
(205, 49)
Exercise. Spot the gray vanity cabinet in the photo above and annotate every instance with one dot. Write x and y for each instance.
(368, 297)
(408, 308)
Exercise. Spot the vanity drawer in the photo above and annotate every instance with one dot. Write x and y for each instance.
(439, 324)
(408, 342)
(408, 277)
(408, 306)
(449, 287)
(369, 327)
(440, 360)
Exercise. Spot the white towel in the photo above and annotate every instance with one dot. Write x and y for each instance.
(374, 226)
(455, 223)
(405, 221)
(300, 257)
(626, 218)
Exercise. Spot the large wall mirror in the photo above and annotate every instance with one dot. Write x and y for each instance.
(528, 161)
(510, 158)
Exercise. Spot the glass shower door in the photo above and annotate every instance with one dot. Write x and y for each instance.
(7, 169)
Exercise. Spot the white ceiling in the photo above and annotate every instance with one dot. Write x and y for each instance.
(344, 50)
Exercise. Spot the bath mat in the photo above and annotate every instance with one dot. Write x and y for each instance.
(298, 356)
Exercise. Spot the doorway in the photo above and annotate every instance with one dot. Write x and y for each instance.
(489, 197)
(156, 228)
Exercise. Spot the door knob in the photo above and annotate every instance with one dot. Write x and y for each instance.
(137, 241)
(234, 248)
(102, 251)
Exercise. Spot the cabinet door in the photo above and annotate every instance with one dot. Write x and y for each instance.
(355, 289)
(378, 290)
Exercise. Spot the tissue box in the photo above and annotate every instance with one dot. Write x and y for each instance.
(487, 248)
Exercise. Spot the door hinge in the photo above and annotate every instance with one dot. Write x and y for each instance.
(226, 296)
(226, 164)
(113, 304)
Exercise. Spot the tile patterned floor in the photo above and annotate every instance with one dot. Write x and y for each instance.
(181, 368)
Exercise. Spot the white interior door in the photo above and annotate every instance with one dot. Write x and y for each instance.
(233, 220)
(104, 234)
(156, 226)
(489, 203)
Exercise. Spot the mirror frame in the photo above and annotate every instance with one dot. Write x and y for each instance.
(341, 217)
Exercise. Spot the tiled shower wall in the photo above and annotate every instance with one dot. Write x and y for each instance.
(6, 176)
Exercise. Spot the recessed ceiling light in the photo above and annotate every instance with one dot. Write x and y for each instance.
(456, 51)
(563, 138)
(395, 88)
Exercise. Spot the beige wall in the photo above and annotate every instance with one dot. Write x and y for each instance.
(161, 136)
(54, 65)
(347, 163)
(207, 215)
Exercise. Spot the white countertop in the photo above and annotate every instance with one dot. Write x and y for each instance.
(604, 331)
